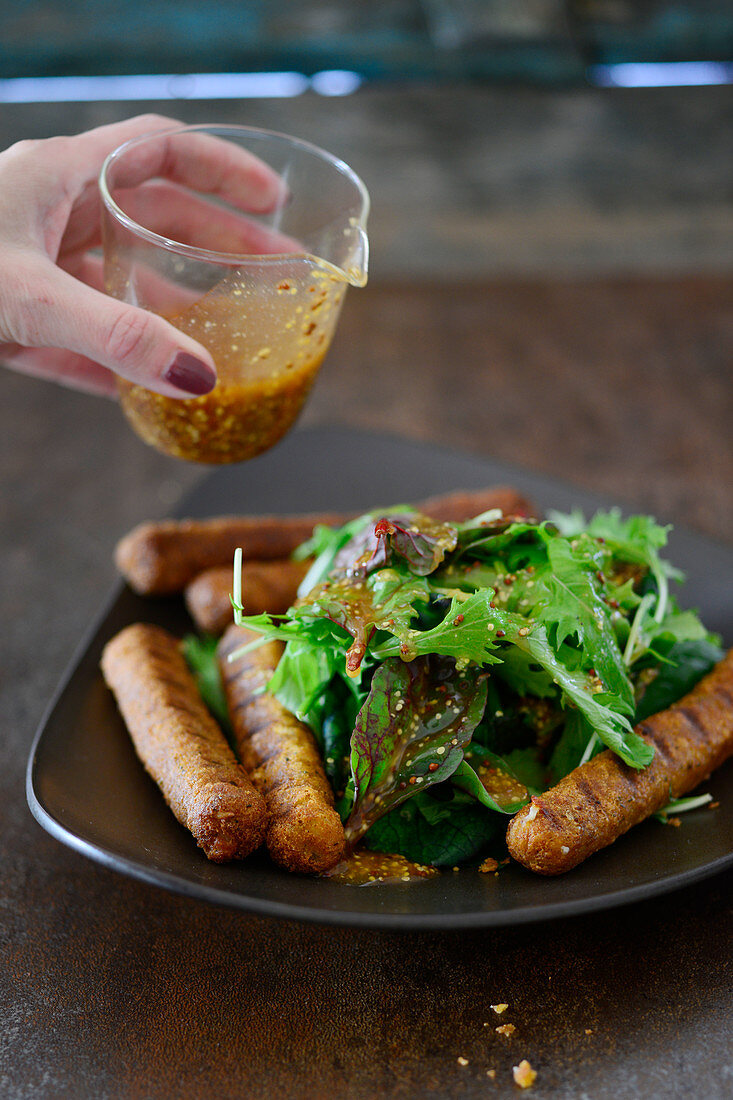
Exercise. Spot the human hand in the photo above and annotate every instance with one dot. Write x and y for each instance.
(55, 320)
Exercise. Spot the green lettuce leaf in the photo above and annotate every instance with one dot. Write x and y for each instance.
(516, 543)
(467, 780)
(338, 714)
(464, 632)
(301, 677)
(442, 833)
(200, 656)
(612, 728)
(636, 540)
(571, 746)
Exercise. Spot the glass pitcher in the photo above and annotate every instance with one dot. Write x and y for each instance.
(261, 291)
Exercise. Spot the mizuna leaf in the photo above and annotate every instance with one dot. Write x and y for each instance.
(613, 729)
(575, 606)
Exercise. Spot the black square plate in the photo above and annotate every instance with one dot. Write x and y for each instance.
(87, 788)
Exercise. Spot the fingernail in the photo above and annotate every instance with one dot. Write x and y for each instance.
(190, 374)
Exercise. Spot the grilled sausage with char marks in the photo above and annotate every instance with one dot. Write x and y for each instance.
(280, 753)
(599, 801)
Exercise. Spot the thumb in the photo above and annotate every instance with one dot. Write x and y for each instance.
(59, 311)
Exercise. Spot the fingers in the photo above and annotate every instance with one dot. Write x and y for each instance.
(174, 212)
(151, 290)
(208, 164)
(42, 180)
(48, 308)
(45, 184)
(49, 177)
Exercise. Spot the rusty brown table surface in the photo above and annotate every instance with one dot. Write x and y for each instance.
(111, 988)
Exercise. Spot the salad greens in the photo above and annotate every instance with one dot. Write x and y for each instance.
(448, 671)
(200, 656)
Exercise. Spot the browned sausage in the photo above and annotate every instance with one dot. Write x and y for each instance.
(266, 586)
(305, 832)
(599, 801)
(461, 505)
(181, 745)
(158, 559)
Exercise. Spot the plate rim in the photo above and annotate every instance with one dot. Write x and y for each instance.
(494, 918)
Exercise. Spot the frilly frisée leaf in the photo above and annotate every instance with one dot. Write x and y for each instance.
(410, 733)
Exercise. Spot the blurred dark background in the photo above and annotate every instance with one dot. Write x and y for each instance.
(497, 137)
(541, 41)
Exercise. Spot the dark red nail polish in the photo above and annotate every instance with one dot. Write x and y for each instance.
(190, 374)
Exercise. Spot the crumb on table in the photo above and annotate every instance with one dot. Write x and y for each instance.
(506, 1029)
(524, 1075)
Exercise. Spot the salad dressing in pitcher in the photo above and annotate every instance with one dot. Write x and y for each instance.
(268, 341)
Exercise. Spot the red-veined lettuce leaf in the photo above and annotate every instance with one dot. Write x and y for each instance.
(410, 733)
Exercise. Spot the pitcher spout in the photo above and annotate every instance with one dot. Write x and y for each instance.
(357, 271)
(352, 265)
